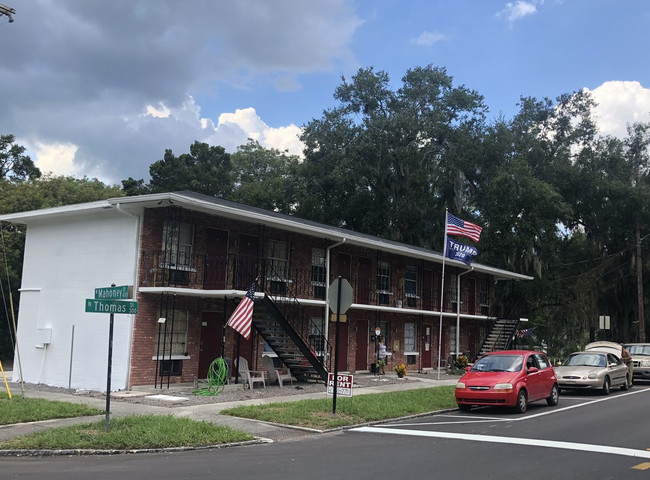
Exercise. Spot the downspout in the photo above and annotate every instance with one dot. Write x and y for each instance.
(135, 285)
(458, 309)
(327, 289)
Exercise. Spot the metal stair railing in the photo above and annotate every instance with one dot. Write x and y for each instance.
(504, 330)
(291, 315)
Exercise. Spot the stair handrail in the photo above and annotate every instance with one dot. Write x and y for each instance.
(300, 323)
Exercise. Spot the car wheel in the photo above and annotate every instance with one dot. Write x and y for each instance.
(626, 384)
(554, 398)
(606, 386)
(522, 401)
(463, 407)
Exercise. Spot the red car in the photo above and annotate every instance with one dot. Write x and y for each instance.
(510, 378)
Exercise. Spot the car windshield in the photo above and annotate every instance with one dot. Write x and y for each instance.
(639, 350)
(586, 360)
(499, 363)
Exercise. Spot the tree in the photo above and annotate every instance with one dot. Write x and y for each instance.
(388, 162)
(32, 194)
(205, 169)
(14, 164)
(263, 177)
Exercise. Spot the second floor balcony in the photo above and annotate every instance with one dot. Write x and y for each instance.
(237, 272)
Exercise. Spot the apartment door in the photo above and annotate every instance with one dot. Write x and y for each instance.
(363, 284)
(342, 266)
(216, 260)
(362, 338)
(246, 265)
(211, 338)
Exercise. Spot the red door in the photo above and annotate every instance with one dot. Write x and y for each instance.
(211, 338)
(246, 269)
(216, 260)
(342, 266)
(363, 285)
(361, 355)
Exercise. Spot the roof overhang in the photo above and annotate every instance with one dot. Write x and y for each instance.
(211, 205)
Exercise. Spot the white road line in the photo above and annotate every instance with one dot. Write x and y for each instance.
(584, 447)
(467, 419)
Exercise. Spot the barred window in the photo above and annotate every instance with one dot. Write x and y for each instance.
(172, 335)
(178, 243)
(410, 337)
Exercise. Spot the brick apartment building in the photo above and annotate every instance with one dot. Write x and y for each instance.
(191, 258)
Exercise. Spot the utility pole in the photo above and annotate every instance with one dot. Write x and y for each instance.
(639, 284)
(8, 11)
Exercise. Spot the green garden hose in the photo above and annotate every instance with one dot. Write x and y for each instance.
(217, 378)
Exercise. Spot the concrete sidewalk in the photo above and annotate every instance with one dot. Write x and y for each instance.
(210, 412)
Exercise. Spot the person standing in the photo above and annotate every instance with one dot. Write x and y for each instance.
(381, 356)
(627, 360)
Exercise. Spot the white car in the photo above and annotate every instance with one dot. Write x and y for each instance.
(640, 353)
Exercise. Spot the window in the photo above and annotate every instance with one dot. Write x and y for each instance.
(172, 368)
(484, 292)
(278, 262)
(172, 335)
(452, 340)
(316, 337)
(318, 279)
(178, 244)
(279, 259)
(453, 291)
(383, 282)
(411, 286)
(409, 338)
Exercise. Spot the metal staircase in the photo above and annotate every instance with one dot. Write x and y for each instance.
(288, 343)
(500, 336)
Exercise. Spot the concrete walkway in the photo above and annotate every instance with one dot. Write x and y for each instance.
(210, 412)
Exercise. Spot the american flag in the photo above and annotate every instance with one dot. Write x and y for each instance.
(525, 333)
(242, 318)
(456, 226)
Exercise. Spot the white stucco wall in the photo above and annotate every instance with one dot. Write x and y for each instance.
(66, 258)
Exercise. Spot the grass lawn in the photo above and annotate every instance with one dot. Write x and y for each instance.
(351, 410)
(20, 410)
(154, 431)
(129, 433)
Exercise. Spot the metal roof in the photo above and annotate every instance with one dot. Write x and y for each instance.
(204, 203)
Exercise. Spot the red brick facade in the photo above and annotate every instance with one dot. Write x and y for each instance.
(399, 314)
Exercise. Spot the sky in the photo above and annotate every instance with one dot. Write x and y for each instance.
(100, 89)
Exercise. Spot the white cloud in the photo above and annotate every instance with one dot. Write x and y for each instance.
(429, 38)
(516, 11)
(234, 129)
(619, 104)
(103, 89)
(56, 158)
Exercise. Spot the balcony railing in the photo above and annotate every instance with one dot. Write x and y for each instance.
(237, 272)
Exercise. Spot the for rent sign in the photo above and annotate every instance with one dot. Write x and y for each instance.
(343, 384)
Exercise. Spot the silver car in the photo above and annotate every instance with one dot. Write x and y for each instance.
(593, 370)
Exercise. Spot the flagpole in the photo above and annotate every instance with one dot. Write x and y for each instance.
(442, 293)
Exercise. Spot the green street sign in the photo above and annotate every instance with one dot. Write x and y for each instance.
(94, 305)
(114, 293)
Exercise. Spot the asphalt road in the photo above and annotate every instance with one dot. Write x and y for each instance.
(586, 436)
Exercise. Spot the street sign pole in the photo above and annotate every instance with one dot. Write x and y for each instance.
(336, 347)
(111, 300)
(108, 375)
